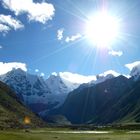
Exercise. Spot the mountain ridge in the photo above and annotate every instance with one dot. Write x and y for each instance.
(81, 105)
(55, 95)
(13, 112)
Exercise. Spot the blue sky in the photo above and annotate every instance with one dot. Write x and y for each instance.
(34, 39)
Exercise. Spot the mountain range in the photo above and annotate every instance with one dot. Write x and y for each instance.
(114, 100)
(36, 92)
(91, 104)
(108, 98)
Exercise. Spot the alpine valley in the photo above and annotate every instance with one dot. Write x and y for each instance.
(105, 99)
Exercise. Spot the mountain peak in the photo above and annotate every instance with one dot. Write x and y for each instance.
(17, 71)
(105, 76)
(135, 72)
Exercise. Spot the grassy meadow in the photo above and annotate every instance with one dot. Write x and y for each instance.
(65, 134)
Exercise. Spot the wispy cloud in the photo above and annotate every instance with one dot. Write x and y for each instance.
(130, 66)
(60, 34)
(115, 53)
(11, 22)
(4, 28)
(73, 38)
(6, 67)
(41, 12)
(7, 23)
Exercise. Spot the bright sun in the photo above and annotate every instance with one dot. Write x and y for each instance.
(102, 29)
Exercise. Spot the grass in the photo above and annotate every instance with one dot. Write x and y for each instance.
(47, 134)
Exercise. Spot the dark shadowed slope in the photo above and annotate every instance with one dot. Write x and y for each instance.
(125, 110)
(89, 103)
(12, 112)
(94, 104)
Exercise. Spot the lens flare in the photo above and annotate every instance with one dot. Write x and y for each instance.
(27, 120)
(102, 29)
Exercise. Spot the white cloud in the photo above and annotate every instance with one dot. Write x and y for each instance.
(115, 53)
(132, 65)
(9, 21)
(134, 69)
(105, 76)
(4, 28)
(112, 72)
(80, 79)
(41, 12)
(6, 67)
(42, 74)
(76, 78)
(73, 38)
(36, 70)
(60, 34)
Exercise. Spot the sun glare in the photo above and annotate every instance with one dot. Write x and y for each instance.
(102, 29)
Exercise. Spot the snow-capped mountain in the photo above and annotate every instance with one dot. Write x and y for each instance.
(58, 85)
(59, 88)
(29, 88)
(65, 82)
(34, 90)
(44, 94)
(105, 76)
(135, 72)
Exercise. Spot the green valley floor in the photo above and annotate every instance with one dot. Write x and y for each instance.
(45, 134)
